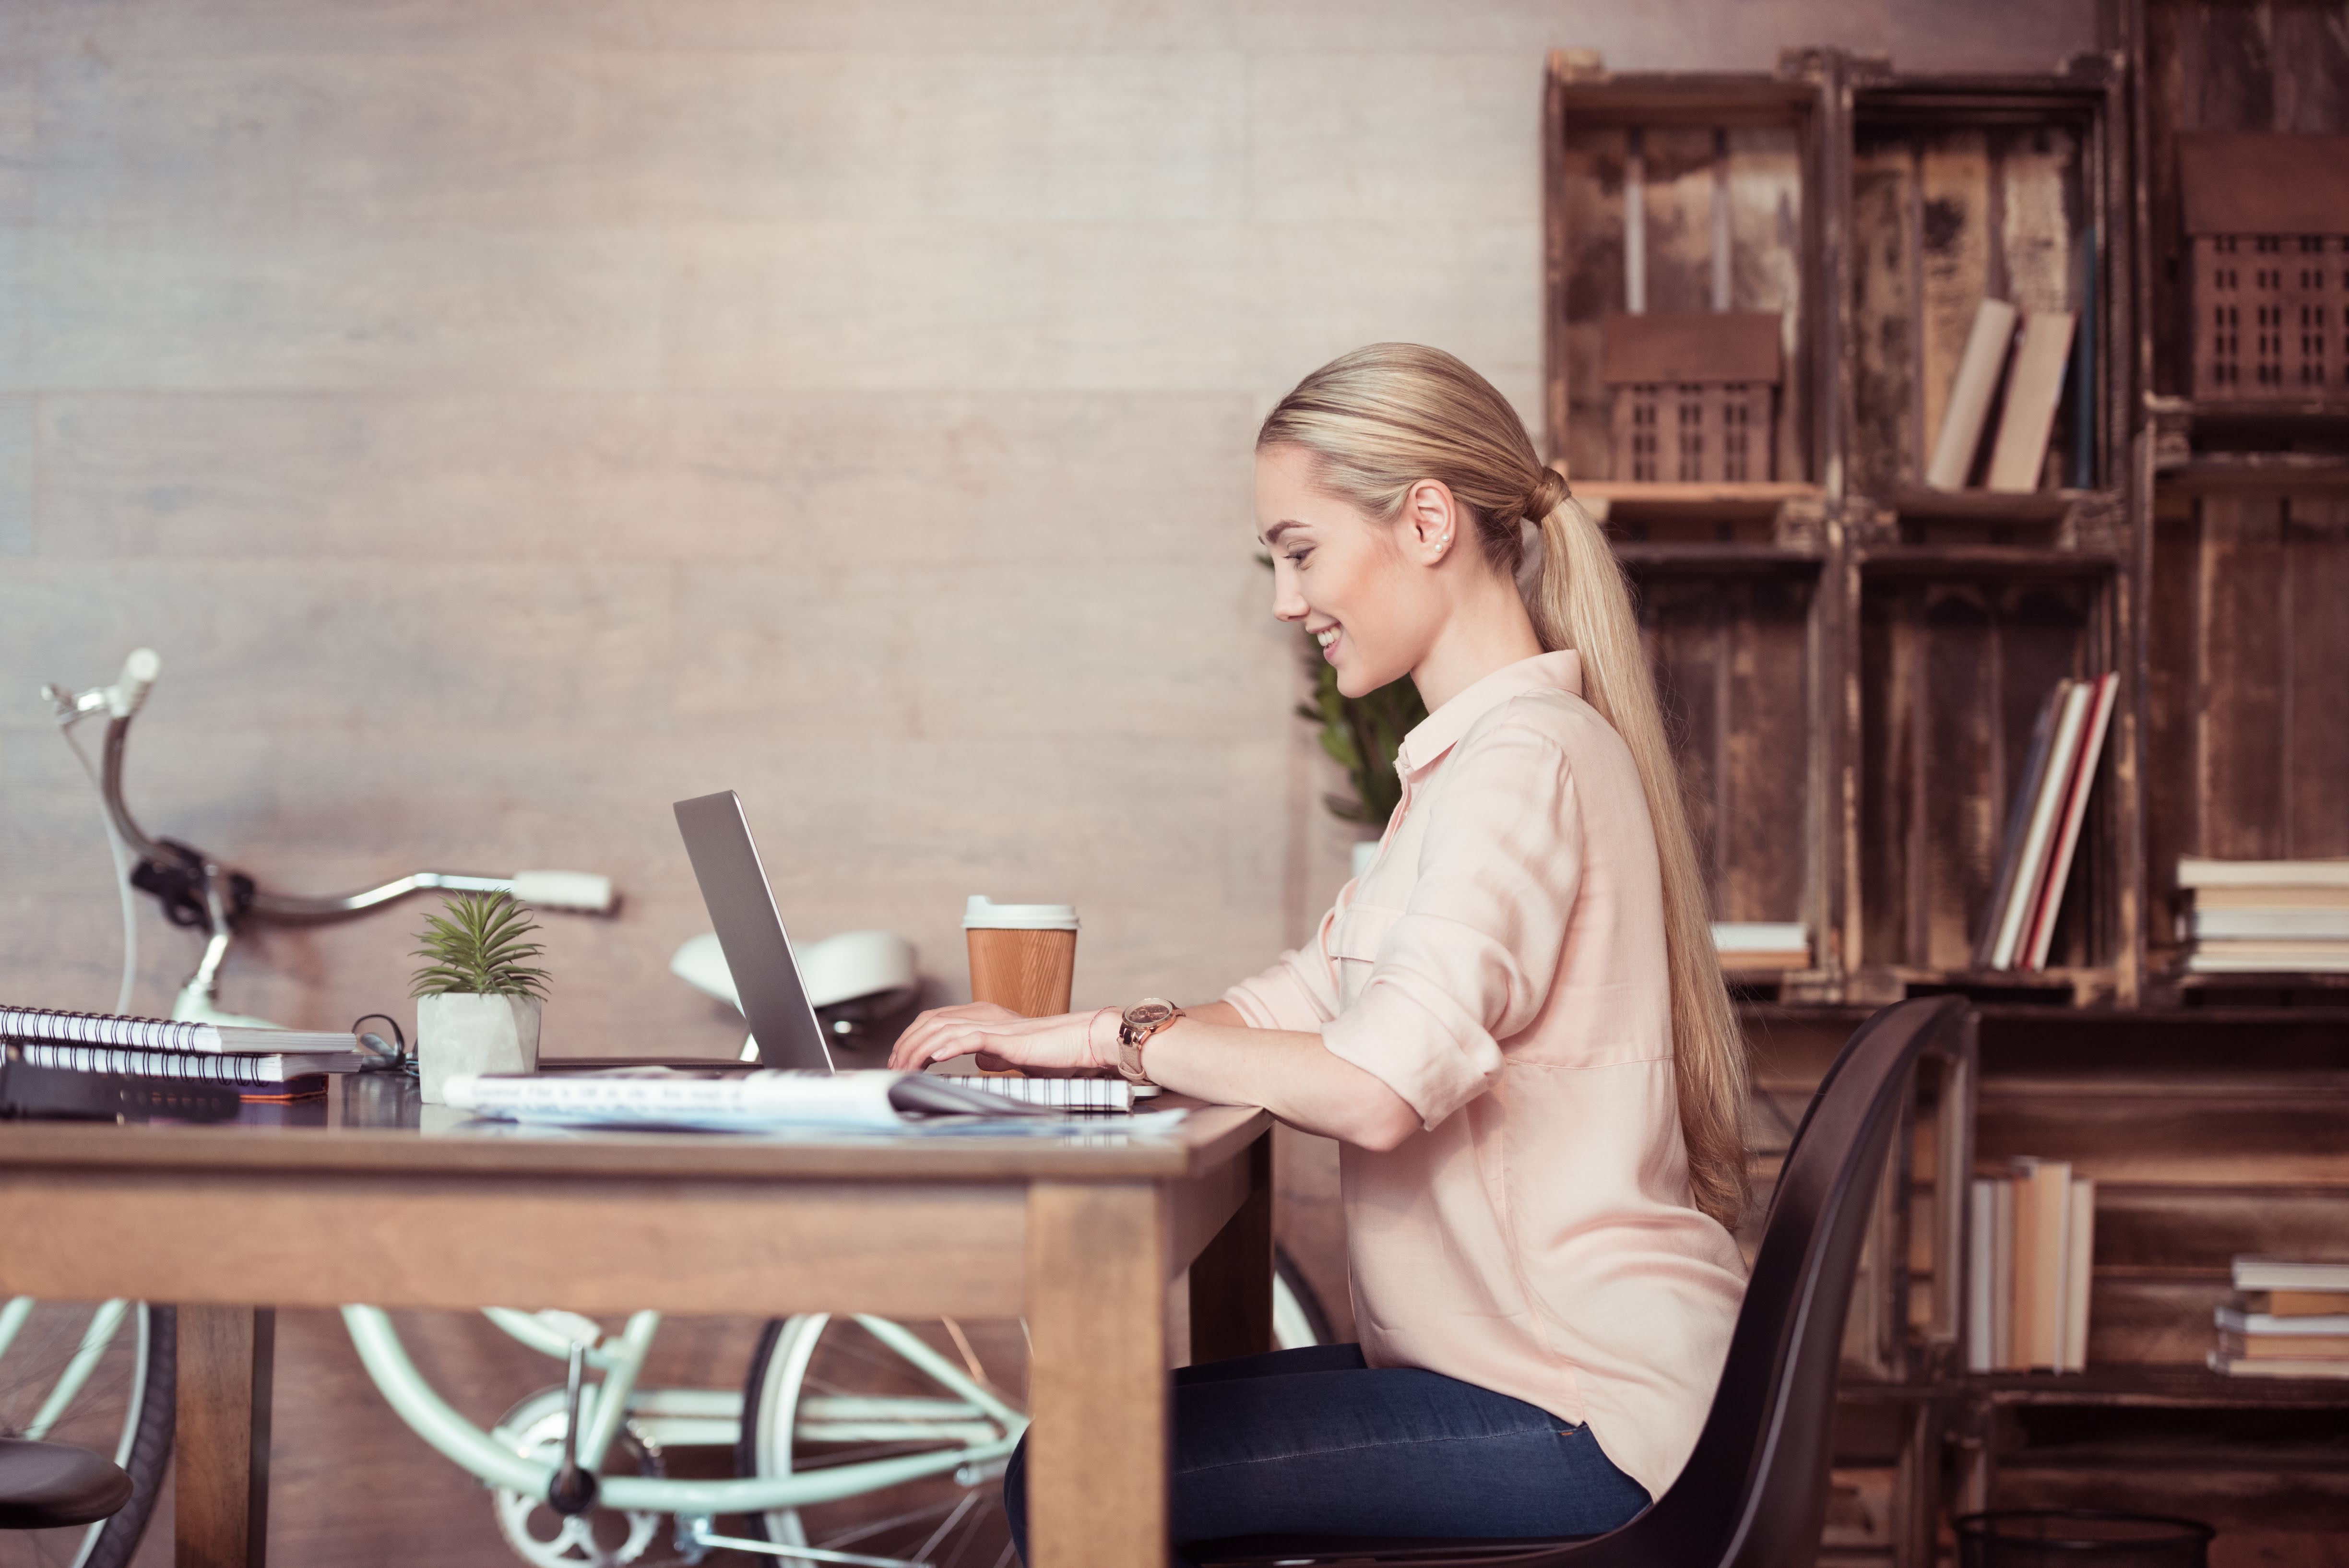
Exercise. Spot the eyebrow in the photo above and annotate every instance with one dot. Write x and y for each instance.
(1272, 534)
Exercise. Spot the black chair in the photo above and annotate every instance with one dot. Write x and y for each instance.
(47, 1486)
(1754, 1492)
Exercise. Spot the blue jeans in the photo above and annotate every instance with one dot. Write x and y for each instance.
(1313, 1442)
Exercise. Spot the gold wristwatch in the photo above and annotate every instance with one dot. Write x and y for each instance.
(1143, 1020)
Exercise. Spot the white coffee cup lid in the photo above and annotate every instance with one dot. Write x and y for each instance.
(984, 914)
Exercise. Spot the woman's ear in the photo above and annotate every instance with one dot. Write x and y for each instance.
(1431, 518)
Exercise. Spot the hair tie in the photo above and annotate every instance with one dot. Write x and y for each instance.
(1549, 492)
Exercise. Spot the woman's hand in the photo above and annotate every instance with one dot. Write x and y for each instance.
(999, 1038)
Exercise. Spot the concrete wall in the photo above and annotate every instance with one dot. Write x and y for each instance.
(506, 419)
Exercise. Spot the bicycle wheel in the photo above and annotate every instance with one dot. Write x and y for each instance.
(824, 1391)
(99, 1378)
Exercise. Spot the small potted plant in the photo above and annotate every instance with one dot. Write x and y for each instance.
(477, 998)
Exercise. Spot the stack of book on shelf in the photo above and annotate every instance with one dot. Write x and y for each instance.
(2043, 825)
(259, 1063)
(1748, 946)
(2034, 384)
(2032, 1236)
(2288, 1319)
(2256, 916)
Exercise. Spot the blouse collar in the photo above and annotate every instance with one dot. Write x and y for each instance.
(1441, 730)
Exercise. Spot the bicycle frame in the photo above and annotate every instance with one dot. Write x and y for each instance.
(712, 1415)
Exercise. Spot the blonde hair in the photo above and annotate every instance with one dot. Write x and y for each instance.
(1381, 419)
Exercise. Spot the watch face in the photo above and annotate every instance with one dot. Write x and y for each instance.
(1144, 1014)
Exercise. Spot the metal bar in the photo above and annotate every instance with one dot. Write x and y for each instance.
(914, 1348)
(12, 1320)
(471, 1449)
(612, 1396)
(703, 1537)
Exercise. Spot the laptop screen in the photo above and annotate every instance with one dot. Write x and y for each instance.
(751, 932)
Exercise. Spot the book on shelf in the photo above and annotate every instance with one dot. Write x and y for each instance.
(2284, 1347)
(2036, 825)
(1979, 367)
(2030, 1273)
(2018, 824)
(2294, 1303)
(2245, 1367)
(2275, 1275)
(1750, 945)
(2033, 387)
(2270, 900)
(2244, 1319)
(2049, 902)
(56, 1026)
(2267, 924)
(2197, 872)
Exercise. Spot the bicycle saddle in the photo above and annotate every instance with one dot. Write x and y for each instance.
(44, 1486)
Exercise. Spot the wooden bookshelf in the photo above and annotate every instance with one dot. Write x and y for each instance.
(1852, 664)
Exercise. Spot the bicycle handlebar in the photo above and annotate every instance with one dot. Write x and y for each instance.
(129, 689)
(582, 892)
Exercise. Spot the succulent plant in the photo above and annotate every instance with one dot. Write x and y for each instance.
(479, 944)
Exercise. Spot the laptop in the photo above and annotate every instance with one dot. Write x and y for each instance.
(751, 932)
(767, 976)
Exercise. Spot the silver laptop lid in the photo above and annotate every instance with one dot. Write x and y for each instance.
(751, 932)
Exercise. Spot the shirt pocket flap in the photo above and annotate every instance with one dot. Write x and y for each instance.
(1361, 932)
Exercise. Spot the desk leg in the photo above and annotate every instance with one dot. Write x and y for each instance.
(1097, 1375)
(220, 1480)
(1231, 1280)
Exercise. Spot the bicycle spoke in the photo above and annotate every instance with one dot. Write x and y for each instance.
(1009, 1553)
(867, 1531)
(969, 1501)
(103, 1325)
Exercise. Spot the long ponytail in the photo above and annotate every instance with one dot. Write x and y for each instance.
(1380, 420)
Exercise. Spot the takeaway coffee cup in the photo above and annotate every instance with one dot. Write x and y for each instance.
(1022, 956)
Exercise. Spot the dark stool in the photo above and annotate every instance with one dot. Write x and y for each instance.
(45, 1486)
(1754, 1492)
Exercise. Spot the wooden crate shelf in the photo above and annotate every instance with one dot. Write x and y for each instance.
(1851, 651)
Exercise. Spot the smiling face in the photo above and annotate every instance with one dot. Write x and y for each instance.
(1361, 586)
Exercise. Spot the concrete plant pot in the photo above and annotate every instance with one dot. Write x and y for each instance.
(461, 1032)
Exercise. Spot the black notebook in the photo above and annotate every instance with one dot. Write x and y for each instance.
(31, 1093)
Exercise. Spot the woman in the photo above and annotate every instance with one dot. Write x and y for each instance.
(1514, 1021)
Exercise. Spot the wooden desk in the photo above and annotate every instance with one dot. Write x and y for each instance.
(1080, 1237)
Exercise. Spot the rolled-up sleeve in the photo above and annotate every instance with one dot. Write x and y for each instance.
(1299, 992)
(1468, 962)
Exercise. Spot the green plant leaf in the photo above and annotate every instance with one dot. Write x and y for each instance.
(478, 945)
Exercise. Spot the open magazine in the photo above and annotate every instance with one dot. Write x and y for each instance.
(717, 1100)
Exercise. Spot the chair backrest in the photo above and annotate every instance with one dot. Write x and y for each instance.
(1754, 1492)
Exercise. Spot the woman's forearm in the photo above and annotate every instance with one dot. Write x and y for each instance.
(1209, 1054)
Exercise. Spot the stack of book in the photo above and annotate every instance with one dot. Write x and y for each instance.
(2253, 916)
(2288, 1319)
(259, 1063)
(2043, 825)
(1748, 946)
(2032, 1236)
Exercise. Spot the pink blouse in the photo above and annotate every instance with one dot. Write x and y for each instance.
(1501, 966)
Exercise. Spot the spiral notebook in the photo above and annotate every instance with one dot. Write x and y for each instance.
(55, 1027)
